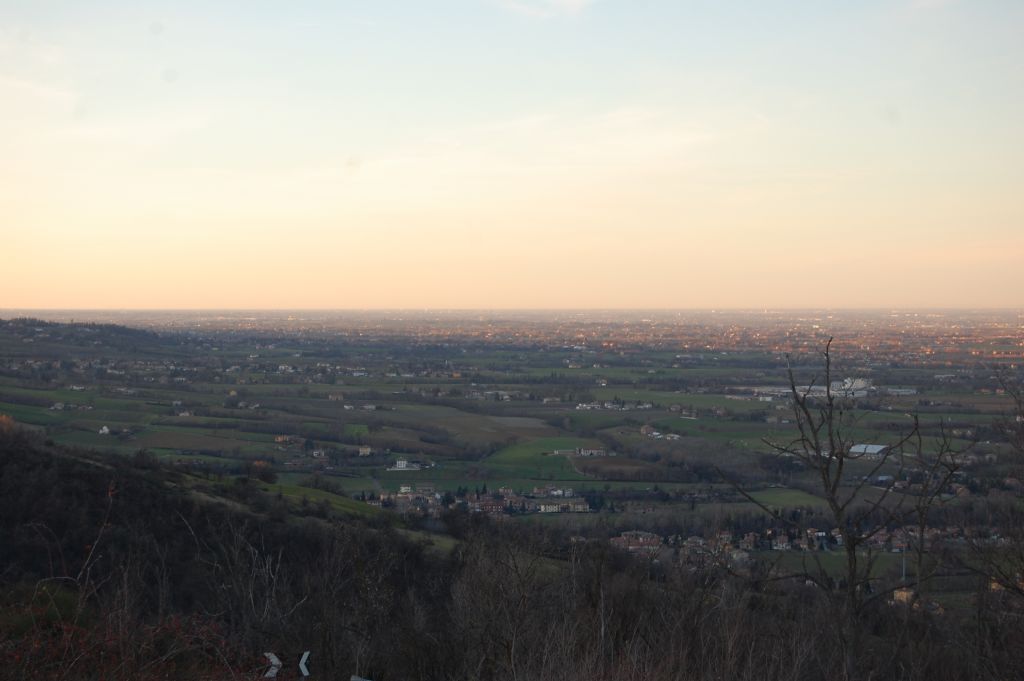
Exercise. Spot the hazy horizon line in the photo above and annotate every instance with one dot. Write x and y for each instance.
(520, 309)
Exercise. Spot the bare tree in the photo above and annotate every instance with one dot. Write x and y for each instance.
(1012, 425)
(998, 556)
(860, 504)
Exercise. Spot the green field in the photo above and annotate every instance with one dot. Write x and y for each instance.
(426, 409)
(832, 562)
(779, 498)
(297, 493)
(534, 459)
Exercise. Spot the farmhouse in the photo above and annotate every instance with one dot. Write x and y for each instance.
(488, 506)
(553, 491)
(870, 452)
(406, 465)
(573, 505)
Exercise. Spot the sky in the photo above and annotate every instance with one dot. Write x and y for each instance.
(492, 154)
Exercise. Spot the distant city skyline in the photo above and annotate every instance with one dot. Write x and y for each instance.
(512, 154)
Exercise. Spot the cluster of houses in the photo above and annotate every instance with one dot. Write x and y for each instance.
(650, 431)
(122, 432)
(612, 406)
(725, 548)
(70, 406)
(547, 499)
(211, 368)
(504, 504)
(286, 442)
(638, 541)
(405, 465)
(850, 387)
(584, 452)
(494, 395)
(424, 499)
(692, 551)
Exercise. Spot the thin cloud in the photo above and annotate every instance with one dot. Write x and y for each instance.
(23, 47)
(546, 8)
(27, 88)
(931, 4)
(140, 133)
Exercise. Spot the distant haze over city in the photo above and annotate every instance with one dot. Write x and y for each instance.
(933, 334)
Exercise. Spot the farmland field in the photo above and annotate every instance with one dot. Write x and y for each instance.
(470, 416)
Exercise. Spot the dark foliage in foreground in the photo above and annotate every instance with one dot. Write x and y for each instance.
(115, 569)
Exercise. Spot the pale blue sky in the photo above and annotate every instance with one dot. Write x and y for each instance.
(453, 140)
